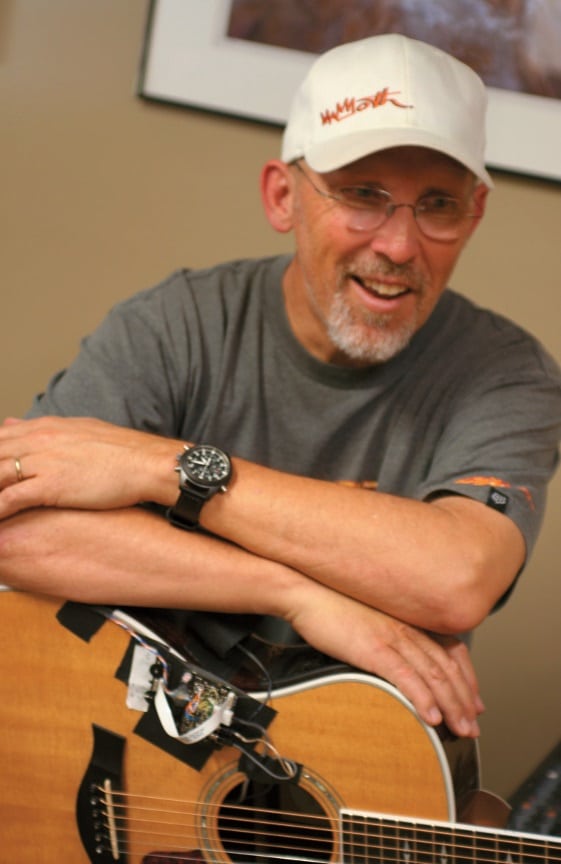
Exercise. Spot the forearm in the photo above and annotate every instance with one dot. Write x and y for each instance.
(134, 557)
(440, 566)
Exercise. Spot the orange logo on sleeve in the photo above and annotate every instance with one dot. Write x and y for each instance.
(359, 484)
(498, 484)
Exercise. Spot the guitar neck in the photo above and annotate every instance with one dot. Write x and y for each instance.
(367, 837)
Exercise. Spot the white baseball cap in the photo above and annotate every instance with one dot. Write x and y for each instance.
(387, 91)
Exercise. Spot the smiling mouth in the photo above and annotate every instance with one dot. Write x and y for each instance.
(382, 289)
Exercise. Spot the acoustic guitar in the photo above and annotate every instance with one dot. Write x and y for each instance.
(334, 767)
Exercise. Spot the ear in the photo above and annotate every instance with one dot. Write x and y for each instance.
(277, 195)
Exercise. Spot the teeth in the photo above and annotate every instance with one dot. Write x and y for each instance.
(389, 291)
(385, 290)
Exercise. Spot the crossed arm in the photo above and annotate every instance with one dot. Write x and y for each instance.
(359, 575)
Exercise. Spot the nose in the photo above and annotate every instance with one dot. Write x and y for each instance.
(399, 236)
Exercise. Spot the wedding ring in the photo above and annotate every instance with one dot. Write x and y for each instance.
(19, 472)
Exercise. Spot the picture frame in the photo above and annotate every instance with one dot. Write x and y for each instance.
(189, 60)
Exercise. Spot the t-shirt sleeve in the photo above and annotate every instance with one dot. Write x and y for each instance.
(500, 444)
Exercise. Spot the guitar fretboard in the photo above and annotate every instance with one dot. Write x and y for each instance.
(367, 839)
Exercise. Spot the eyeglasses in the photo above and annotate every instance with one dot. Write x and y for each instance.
(366, 208)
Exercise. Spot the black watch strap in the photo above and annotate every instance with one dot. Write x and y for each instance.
(186, 511)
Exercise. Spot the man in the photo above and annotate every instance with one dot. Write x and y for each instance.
(389, 443)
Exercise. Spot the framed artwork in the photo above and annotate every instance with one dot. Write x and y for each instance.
(245, 58)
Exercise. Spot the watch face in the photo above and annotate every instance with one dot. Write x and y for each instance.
(206, 465)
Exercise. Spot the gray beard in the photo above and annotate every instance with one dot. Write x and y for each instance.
(370, 338)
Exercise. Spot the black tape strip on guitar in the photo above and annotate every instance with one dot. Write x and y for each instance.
(82, 620)
(85, 621)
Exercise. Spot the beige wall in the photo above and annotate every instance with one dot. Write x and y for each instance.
(103, 193)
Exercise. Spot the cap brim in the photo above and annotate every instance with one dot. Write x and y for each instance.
(324, 156)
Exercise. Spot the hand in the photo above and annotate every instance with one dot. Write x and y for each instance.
(435, 674)
(82, 463)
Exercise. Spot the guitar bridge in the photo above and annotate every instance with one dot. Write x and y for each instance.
(97, 806)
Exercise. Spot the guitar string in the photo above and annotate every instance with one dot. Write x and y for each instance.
(415, 835)
(353, 854)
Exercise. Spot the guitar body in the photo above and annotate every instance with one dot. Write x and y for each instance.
(360, 744)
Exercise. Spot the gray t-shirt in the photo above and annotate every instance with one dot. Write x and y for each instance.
(472, 406)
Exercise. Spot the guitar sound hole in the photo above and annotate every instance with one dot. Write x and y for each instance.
(271, 823)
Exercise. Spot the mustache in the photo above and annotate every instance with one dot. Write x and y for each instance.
(383, 269)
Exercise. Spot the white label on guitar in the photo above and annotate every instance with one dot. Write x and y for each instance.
(140, 678)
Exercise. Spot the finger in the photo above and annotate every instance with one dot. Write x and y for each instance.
(40, 431)
(445, 679)
(419, 667)
(405, 675)
(16, 437)
(21, 496)
(11, 471)
(460, 653)
(444, 693)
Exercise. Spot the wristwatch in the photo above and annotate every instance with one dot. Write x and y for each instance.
(203, 471)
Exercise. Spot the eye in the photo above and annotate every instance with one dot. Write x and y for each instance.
(441, 206)
(364, 196)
